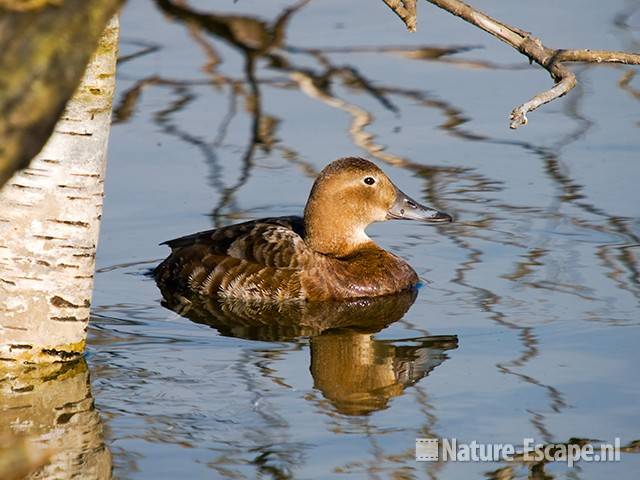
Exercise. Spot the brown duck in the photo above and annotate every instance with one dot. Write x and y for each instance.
(324, 256)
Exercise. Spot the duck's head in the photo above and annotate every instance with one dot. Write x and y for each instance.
(349, 195)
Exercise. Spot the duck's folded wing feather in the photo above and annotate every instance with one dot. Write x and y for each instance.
(271, 242)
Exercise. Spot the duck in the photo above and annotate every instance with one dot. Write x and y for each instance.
(323, 255)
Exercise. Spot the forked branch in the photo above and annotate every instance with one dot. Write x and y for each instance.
(550, 59)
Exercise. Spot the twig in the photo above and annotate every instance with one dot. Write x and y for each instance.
(406, 10)
(532, 47)
(597, 56)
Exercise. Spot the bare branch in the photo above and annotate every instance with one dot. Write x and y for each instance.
(532, 47)
(565, 79)
(406, 10)
(597, 56)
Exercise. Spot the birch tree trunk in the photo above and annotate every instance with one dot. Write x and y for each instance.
(49, 221)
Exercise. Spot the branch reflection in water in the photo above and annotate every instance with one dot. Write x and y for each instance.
(255, 38)
(539, 237)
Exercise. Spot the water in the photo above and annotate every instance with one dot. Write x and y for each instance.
(528, 321)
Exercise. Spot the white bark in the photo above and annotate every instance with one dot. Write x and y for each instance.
(49, 222)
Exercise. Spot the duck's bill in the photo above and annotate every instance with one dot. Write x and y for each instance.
(406, 208)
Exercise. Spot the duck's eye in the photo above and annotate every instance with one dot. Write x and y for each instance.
(369, 180)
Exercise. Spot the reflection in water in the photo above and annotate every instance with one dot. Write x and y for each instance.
(512, 257)
(357, 373)
(527, 466)
(51, 408)
(271, 321)
(536, 266)
(360, 374)
(623, 23)
(256, 39)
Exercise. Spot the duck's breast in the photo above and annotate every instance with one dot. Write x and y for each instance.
(368, 273)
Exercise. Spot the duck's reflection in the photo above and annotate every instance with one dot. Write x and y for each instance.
(359, 374)
(49, 424)
(356, 372)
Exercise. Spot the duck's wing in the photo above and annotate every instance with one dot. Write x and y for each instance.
(270, 242)
(412, 363)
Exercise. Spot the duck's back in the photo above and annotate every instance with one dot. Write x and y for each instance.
(268, 259)
(261, 259)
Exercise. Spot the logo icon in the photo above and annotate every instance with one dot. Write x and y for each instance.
(426, 449)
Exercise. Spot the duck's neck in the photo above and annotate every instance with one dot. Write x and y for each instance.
(332, 234)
